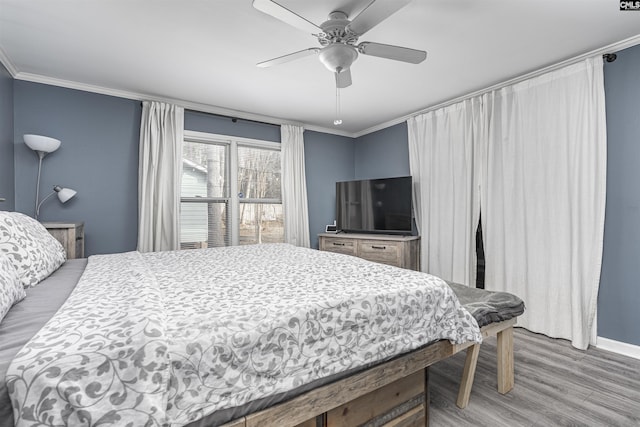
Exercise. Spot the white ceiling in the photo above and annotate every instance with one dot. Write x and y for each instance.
(202, 53)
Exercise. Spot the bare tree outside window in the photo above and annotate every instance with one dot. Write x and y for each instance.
(215, 187)
(208, 194)
(259, 181)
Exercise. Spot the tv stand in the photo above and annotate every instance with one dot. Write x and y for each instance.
(396, 250)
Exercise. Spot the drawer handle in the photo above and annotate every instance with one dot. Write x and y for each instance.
(378, 247)
(337, 244)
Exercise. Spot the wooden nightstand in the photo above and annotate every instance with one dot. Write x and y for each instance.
(70, 234)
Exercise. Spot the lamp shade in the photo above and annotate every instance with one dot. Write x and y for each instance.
(64, 194)
(41, 143)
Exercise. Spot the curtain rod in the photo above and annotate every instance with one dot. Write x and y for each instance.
(233, 119)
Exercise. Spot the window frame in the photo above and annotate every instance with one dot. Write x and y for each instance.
(231, 144)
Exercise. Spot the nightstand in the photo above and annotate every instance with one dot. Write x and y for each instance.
(70, 234)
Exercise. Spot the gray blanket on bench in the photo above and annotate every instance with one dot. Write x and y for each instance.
(488, 306)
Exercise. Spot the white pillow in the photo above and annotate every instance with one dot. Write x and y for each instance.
(11, 289)
(34, 253)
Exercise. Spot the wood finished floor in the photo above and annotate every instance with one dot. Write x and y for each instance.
(556, 385)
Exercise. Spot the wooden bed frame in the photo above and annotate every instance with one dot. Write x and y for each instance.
(395, 393)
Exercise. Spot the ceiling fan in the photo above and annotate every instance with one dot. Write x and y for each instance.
(338, 36)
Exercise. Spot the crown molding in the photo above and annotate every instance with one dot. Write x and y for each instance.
(611, 48)
(8, 64)
(205, 108)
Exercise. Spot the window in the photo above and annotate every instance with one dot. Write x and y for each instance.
(231, 192)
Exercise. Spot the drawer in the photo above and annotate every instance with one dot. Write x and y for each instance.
(384, 252)
(399, 251)
(341, 246)
(398, 404)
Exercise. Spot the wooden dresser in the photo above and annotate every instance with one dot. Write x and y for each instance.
(399, 251)
(70, 234)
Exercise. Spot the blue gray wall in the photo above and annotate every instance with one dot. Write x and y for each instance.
(382, 154)
(7, 190)
(98, 158)
(328, 158)
(619, 297)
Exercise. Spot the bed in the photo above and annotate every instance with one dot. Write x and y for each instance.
(283, 329)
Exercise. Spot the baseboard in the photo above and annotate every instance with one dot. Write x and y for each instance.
(619, 347)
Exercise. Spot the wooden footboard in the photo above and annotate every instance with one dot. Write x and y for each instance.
(395, 393)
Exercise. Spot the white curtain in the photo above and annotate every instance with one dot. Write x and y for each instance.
(543, 197)
(294, 186)
(441, 161)
(159, 174)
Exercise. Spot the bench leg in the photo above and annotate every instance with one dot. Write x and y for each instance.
(505, 360)
(467, 376)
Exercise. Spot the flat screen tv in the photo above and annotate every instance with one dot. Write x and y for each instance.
(374, 205)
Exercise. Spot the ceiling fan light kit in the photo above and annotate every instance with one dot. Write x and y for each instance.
(338, 36)
(338, 57)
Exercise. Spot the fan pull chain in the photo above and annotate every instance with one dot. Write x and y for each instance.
(338, 120)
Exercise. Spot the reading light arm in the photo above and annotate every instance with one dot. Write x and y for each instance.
(40, 204)
(64, 194)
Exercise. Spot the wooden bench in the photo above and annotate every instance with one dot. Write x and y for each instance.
(505, 366)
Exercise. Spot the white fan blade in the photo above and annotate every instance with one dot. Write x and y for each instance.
(285, 15)
(375, 13)
(343, 79)
(289, 57)
(388, 51)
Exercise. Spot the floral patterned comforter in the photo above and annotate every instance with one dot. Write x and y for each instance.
(167, 338)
